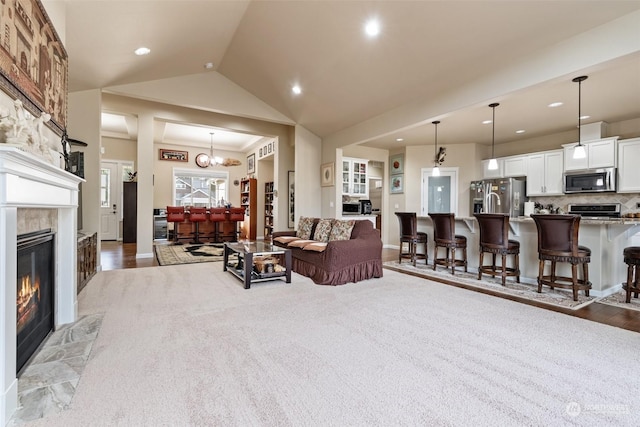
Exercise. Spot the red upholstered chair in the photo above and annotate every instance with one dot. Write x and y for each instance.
(176, 215)
(558, 242)
(196, 216)
(237, 215)
(216, 216)
(444, 236)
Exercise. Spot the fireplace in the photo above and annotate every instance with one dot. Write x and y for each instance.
(27, 185)
(34, 292)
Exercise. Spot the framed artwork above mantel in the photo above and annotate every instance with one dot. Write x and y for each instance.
(33, 62)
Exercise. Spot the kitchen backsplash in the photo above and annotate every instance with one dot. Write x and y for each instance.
(628, 201)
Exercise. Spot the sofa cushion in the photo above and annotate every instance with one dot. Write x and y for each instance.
(341, 229)
(300, 243)
(304, 227)
(285, 239)
(323, 229)
(316, 246)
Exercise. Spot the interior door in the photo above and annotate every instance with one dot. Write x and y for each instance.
(109, 201)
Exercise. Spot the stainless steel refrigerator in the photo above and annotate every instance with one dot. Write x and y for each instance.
(499, 195)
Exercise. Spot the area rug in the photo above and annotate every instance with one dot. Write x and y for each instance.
(618, 300)
(557, 297)
(189, 254)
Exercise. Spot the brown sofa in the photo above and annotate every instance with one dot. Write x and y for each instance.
(342, 261)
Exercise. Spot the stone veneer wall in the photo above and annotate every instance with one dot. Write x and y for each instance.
(30, 220)
(627, 200)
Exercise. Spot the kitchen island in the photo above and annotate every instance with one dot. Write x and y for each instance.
(606, 238)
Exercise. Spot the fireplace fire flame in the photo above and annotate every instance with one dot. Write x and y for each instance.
(27, 301)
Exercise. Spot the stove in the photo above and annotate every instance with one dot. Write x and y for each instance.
(596, 211)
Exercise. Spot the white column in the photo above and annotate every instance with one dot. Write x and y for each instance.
(144, 165)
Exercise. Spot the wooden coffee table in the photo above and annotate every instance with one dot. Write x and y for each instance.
(244, 268)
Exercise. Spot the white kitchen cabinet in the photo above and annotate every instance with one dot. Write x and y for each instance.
(354, 177)
(515, 166)
(496, 173)
(600, 154)
(544, 177)
(628, 170)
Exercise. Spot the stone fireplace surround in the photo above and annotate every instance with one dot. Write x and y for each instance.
(28, 183)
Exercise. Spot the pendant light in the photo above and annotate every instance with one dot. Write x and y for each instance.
(436, 168)
(493, 163)
(579, 152)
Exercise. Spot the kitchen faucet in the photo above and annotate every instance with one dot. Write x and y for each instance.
(488, 198)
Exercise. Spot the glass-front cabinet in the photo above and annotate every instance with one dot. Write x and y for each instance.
(354, 177)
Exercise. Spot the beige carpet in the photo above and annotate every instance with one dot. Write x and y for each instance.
(557, 297)
(187, 254)
(187, 345)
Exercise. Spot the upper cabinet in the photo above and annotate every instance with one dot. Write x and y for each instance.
(544, 177)
(600, 154)
(492, 173)
(507, 167)
(628, 170)
(354, 177)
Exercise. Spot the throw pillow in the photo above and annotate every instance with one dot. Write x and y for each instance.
(304, 227)
(316, 246)
(341, 229)
(323, 229)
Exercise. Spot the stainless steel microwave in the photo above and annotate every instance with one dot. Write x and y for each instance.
(590, 181)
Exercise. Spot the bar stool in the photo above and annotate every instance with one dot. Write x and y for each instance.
(236, 215)
(410, 235)
(196, 216)
(216, 216)
(558, 242)
(632, 259)
(494, 239)
(444, 236)
(176, 215)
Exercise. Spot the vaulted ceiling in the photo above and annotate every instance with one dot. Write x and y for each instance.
(427, 50)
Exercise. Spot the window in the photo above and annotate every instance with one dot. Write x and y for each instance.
(200, 188)
(105, 186)
(439, 193)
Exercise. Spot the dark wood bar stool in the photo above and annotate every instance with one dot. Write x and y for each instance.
(410, 235)
(444, 236)
(632, 259)
(196, 216)
(558, 242)
(494, 239)
(216, 216)
(176, 215)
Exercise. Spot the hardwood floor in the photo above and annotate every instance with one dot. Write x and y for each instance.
(117, 255)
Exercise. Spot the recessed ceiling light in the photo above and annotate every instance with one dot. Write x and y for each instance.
(372, 28)
(555, 104)
(520, 131)
(399, 139)
(142, 51)
(296, 90)
(208, 65)
(584, 117)
(487, 122)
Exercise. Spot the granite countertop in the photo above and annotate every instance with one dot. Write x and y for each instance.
(597, 221)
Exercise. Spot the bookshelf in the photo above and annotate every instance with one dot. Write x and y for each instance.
(268, 210)
(248, 200)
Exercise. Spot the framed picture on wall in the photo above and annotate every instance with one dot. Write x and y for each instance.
(327, 178)
(175, 155)
(396, 164)
(251, 164)
(397, 184)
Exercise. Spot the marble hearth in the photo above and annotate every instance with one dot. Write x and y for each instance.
(29, 184)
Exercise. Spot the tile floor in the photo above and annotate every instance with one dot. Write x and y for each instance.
(49, 381)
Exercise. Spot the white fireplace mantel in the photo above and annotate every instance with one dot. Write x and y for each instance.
(26, 181)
